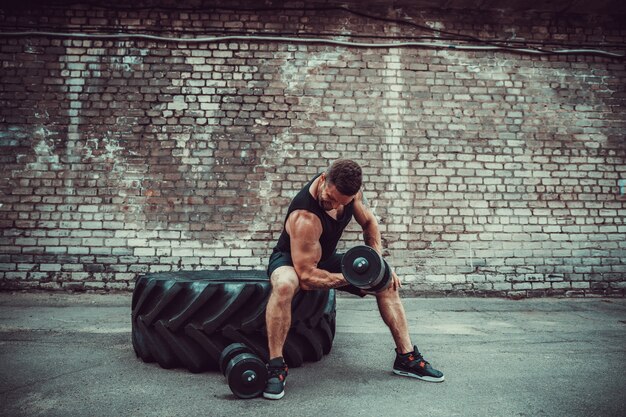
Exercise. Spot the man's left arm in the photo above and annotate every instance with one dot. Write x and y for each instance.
(371, 232)
(368, 222)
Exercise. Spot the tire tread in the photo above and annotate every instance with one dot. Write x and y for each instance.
(186, 319)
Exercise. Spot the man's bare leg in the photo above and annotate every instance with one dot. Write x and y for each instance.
(285, 284)
(409, 362)
(392, 312)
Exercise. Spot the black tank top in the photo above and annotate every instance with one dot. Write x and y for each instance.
(331, 229)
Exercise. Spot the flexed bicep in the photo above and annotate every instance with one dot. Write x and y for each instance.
(304, 229)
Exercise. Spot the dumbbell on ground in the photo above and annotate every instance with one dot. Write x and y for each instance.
(245, 372)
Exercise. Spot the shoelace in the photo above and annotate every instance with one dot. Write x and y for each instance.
(416, 359)
(277, 372)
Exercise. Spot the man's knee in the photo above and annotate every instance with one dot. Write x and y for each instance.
(389, 294)
(285, 283)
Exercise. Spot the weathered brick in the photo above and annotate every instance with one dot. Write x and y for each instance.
(188, 156)
(144, 252)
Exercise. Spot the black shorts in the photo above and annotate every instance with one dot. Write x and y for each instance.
(332, 264)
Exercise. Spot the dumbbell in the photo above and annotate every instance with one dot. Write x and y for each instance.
(245, 372)
(364, 268)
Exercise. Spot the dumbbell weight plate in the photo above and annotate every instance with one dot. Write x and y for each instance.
(246, 375)
(363, 267)
(230, 352)
(385, 282)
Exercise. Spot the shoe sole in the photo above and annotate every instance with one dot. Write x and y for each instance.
(278, 396)
(423, 378)
(273, 396)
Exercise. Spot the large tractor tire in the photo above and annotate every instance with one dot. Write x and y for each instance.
(186, 319)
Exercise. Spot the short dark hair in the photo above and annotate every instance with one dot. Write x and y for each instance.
(346, 175)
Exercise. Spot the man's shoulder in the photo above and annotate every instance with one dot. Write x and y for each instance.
(303, 220)
(303, 215)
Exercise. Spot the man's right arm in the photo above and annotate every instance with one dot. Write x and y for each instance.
(304, 230)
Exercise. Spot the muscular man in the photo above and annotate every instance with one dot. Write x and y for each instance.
(305, 259)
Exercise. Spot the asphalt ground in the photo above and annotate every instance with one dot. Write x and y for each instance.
(71, 355)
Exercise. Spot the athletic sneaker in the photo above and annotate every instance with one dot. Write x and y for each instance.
(413, 365)
(276, 379)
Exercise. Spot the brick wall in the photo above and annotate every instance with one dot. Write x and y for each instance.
(491, 172)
